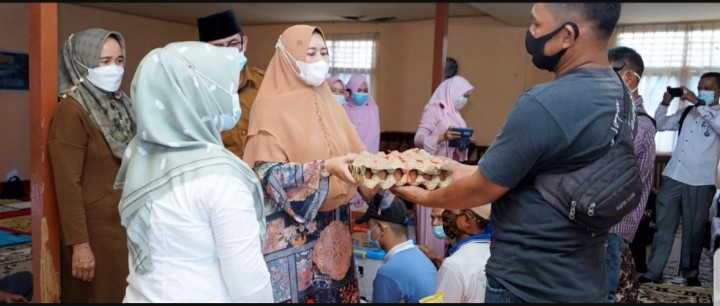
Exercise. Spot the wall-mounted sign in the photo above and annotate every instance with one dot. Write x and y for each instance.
(14, 71)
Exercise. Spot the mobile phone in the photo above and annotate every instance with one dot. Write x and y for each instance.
(675, 92)
(464, 141)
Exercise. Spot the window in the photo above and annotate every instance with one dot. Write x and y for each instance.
(352, 54)
(674, 55)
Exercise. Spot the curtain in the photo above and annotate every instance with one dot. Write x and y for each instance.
(353, 54)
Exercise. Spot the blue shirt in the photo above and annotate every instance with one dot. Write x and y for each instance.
(407, 276)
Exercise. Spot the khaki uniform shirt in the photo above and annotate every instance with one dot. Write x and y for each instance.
(234, 139)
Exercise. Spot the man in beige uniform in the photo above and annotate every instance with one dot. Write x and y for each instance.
(222, 30)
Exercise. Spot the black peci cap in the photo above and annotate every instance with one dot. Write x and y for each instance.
(397, 212)
(218, 26)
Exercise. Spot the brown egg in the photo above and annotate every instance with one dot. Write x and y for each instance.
(413, 175)
(382, 174)
(398, 174)
(368, 174)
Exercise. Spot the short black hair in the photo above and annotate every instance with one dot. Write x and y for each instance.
(451, 67)
(715, 75)
(627, 58)
(603, 15)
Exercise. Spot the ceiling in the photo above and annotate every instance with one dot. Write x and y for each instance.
(273, 13)
(515, 14)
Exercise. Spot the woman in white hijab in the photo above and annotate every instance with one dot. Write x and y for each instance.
(192, 209)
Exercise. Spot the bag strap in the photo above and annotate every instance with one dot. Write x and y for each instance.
(682, 118)
(649, 117)
(626, 109)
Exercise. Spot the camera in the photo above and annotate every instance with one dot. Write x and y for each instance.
(675, 92)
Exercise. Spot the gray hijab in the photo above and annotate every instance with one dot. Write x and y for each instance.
(180, 92)
(111, 112)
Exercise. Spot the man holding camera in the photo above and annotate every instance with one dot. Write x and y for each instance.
(688, 182)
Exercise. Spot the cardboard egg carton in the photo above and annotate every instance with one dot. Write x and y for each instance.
(413, 167)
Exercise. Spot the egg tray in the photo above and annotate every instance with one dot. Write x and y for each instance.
(413, 167)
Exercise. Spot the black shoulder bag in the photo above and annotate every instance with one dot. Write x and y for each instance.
(599, 195)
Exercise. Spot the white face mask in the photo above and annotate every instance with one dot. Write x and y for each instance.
(311, 73)
(226, 121)
(340, 99)
(243, 60)
(107, 78)
(461, 102)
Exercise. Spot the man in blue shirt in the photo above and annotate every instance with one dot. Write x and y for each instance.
(407, 275)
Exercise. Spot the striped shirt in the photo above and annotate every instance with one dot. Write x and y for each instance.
(645, 154)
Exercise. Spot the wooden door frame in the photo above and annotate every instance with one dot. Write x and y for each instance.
(43, 53)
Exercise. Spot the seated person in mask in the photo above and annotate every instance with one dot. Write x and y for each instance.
(407, 274)
(462, 274)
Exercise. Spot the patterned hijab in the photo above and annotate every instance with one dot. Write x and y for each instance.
(366, 116)
(180, 91)
(444, 98)
(111, 112)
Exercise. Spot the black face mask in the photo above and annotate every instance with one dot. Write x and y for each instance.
(535, 48)
(449, 226)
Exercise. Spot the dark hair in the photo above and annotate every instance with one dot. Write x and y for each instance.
(396, 228)
(715, 75)
(451, 67)
(628, 58)
(603, 16)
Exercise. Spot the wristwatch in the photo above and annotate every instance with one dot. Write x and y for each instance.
(323, 171)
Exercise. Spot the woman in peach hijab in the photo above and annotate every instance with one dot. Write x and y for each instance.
(296, 119)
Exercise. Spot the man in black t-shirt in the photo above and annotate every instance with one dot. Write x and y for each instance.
(538, 254)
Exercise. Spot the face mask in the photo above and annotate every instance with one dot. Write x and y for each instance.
(311, 73)
(340, 99)
(373, 243)
(461, 102)
(107, 78)
(360, 98)
(439, 232)
(707, 95)
(227, 121)
(243, 60)
(535, 47)
(449, 226)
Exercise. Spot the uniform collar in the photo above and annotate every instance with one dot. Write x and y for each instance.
(468, 240)
(247, 77)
